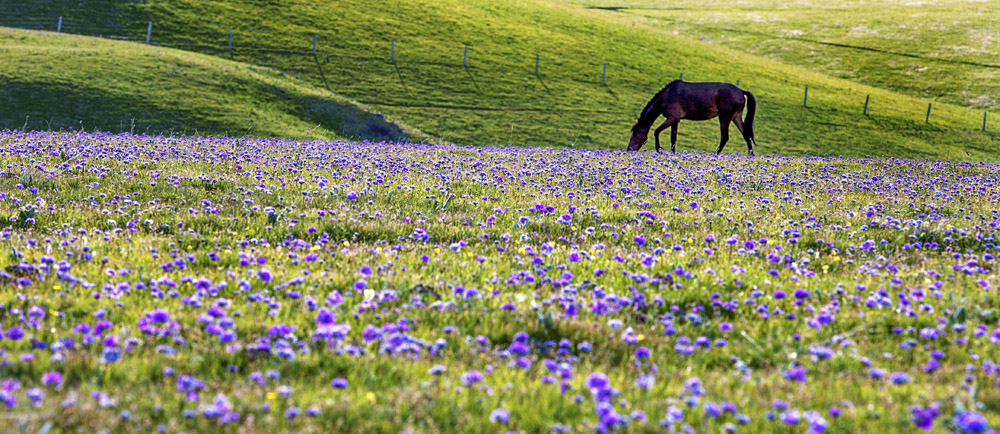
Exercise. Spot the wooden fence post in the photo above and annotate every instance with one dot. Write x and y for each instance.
(230, 39)
(392, 51)
(465, 55)
(536, 64)
(149, 31)
(927, 120)
(984, 122)
(604, 74)
(866, 104)
(805, 97)
(59, 26)
(315, 39)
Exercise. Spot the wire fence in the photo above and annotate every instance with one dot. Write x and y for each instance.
(314, 57)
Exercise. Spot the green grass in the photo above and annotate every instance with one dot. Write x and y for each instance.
(50, 81)
(942, 50)
(116, 208)
(497, 99)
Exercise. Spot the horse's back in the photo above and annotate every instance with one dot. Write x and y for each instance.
(706, 100)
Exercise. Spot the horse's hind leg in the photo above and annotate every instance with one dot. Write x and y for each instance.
(724, 126)
(739, 126)
(673, 137)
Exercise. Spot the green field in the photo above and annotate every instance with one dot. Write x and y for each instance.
(942, 50)
(241, 286)
(497, 99)
(50, 81)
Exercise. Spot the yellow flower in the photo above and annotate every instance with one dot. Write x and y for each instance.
(271, 396)
(370, 397)
(314, 248)
(640, 338)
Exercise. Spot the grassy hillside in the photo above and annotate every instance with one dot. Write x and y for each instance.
(497, 98)
(945, 50)
(50, 81)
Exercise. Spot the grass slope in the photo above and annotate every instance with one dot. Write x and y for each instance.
(497, 98)
(54, 81)
(943, 50)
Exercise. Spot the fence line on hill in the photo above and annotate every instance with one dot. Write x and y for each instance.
(187, 45)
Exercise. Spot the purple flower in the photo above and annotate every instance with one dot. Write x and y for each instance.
(971, 422)
(923, 418)
(471, 377)
(159, 316)
(352, 196)
(597, 381)
(360, 285)
(264, 274)
(500, 415)
(798, 373)
(642, 353)
(366, 271)
(712, 409)
(791, 417)
(52, 378)
(339, 383)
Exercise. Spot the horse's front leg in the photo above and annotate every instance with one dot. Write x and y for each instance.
(656, 134)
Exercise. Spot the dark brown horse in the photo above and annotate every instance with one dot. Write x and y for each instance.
(698, 102)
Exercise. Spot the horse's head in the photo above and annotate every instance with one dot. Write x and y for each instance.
(639, 136)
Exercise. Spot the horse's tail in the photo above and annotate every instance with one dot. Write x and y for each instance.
(751, 110)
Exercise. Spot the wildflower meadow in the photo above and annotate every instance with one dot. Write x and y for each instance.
(201, 284)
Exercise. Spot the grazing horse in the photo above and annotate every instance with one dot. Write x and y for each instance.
(698, 102)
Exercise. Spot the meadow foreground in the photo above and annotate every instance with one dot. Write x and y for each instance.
(254, 285)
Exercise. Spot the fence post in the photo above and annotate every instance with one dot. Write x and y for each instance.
(392, 51)
(230, 39)
(927, 120)
(866, 104)
(149, 31)
(536, 64)
(984, 122)
(737, 83)
(805, 97)
(465, 55)
(315, 39)
(682, 76)
(59, 26)
(604, 74)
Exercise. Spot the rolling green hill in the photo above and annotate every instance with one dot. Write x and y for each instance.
(498, 99)
(944, 50)
(50, 81)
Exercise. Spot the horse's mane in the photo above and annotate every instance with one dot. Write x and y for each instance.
(652, 101)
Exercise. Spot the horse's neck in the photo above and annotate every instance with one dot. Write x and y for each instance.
(649, 116)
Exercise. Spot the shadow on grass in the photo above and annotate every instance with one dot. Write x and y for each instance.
(41, 106)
